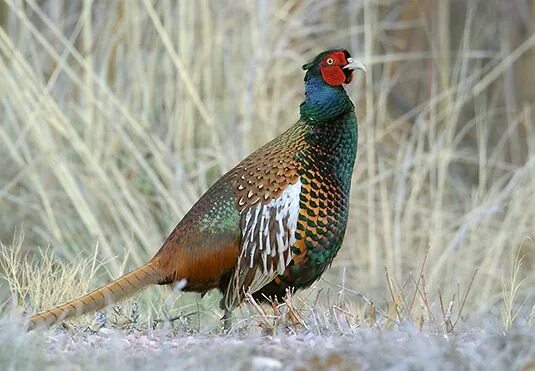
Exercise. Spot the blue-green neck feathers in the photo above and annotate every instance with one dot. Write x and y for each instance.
(322, 101)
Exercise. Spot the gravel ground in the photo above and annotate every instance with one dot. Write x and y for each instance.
(405, 348)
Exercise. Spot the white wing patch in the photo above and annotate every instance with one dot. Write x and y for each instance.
(270, 230)
(268, 233)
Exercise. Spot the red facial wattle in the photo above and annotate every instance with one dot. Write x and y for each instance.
(333, 75)
(331, 68)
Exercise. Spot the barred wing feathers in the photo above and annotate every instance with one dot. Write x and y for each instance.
(268, 233)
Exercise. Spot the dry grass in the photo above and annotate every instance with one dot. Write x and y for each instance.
(43, 280)
(116, 116)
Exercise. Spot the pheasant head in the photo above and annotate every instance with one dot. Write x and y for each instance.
(335, 67)
(325, 97)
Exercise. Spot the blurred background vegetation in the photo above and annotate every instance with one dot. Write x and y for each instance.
(115, 116)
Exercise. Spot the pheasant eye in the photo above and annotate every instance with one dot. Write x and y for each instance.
(330, 61)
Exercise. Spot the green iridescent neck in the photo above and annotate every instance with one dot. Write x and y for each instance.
(322, 101)
(334, 144)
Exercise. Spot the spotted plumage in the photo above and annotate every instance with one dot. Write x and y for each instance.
(273, 222)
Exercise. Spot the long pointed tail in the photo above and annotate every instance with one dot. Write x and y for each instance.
(99, 298)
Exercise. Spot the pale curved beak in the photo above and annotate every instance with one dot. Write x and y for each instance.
(354, 64)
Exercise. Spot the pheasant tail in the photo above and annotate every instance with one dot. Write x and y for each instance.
(99, 298)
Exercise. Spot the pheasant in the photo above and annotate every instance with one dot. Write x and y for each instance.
(274, 222)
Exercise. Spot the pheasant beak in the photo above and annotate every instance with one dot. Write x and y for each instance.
(353, 64)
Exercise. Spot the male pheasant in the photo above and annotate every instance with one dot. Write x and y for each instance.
(275, 221)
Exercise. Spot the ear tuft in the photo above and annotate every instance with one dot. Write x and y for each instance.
(307, 66)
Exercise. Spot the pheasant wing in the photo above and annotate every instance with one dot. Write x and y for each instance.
(268, 188)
